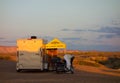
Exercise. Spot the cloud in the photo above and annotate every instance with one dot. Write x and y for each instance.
(115, 30)
(8, 41)
(116, 21)
(106, 29)
(73, 39)
(1, 38)
(93, 47)
(76, 30)
(108, 32)
(66, 29)
(106, 36)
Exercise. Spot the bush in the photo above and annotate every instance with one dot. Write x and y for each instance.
(112, 62)
(5, 58)
(88, 63)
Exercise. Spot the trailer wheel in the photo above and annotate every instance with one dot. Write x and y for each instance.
(18, 70)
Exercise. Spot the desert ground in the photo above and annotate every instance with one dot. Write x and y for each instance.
(87, 69)
(8, 74)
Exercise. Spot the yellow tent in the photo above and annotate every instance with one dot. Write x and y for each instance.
(55, 43)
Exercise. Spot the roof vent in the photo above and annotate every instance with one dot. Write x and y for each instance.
(33, 37)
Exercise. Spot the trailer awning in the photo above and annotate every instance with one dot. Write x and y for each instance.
(55, 43)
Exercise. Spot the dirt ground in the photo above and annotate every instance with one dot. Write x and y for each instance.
(8, 74)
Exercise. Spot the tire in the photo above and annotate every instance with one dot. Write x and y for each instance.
(18, 70)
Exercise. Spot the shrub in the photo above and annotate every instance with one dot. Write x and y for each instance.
(5, 58)
(88, 63)
(111, 62)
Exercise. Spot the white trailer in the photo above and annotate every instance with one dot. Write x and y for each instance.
(30, 54)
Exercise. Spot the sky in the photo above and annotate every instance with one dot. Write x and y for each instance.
(81, 24)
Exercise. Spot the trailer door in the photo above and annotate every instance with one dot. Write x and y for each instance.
(30, 60)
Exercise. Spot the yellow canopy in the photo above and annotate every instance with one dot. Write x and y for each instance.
(56, 43)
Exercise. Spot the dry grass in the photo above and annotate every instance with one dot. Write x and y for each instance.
(109, 59)
(89, 58)
(8, 56)
(97, 62)
(97, 58)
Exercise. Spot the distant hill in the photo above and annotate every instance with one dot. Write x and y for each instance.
(8, 49)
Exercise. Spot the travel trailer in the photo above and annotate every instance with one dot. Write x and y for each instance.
(31, 54)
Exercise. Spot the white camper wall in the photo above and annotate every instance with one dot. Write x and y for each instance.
(30, 55)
